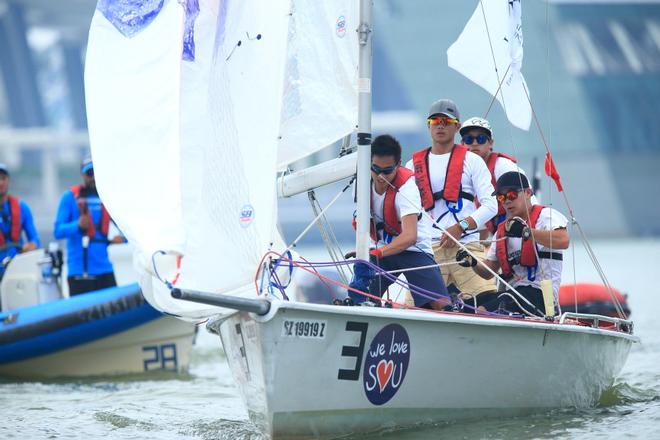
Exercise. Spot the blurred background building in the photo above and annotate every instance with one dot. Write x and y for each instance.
(592, 67)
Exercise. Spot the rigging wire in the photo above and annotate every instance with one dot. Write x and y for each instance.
(316, 219)
(328, 235)
(586, 242)
(583, 235)
(499, 90)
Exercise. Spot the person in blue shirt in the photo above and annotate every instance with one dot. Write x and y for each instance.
(84, 222)
(15, 218)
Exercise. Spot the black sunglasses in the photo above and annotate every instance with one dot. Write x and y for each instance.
(387, 170)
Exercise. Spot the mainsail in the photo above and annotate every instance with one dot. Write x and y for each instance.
(191, 114)
(494, 35)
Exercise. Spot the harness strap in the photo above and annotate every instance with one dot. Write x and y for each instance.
(14, 220)
(462, 194)
(546, 255)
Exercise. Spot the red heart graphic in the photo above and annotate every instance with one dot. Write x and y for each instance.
(384, 372)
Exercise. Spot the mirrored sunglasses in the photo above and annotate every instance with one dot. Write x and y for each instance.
(481, 139)
(509, 195)
(441, 120)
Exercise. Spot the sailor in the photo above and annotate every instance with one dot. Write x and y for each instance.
(477, 134)
(85, 223)
(527, 247)
(450, 178)
(402, 236)
(16, 219)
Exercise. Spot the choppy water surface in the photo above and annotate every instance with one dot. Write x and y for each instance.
(205, 404)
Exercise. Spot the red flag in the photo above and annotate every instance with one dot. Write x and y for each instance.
(551, 171)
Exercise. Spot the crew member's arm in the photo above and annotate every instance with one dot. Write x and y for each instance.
(479, 266)
(556, 238)
(114, 234)
(550, 229)
(66, 221)
(483, 272)
(404, 240)
(483, 187)
(31, 233)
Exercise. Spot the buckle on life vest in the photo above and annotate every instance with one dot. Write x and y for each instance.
(531, 272)
(455, 207)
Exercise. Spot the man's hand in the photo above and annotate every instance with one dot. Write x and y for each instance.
(514, 227)
(349, 254)
(118, 239)
(455, 231)
(378, 253)
(29, 246)
(83, 222)
(465, 259)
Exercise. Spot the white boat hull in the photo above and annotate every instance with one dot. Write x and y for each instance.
(162, 344)
(424, 367)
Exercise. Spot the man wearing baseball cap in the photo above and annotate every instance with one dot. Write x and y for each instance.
(531, 250)
(450, 178)
(85, 223)
(477, 134)
(15, 219)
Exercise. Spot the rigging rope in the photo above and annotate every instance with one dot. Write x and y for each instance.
(310, 267)
(587, 245)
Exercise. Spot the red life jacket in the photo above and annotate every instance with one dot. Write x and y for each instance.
(392, 224)
(490, 163)
(452, 188)
(104, 224)
(14, 220)
(527, 253)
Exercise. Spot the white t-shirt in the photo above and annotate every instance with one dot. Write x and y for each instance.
(549, 219)
(476, 180)
(406, 202)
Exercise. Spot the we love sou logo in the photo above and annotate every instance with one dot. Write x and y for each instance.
(386, 364)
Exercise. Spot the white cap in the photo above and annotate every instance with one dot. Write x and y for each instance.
(476, 122)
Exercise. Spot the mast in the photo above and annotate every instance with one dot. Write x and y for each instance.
(364, 131)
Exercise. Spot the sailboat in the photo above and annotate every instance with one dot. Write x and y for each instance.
(199, 104)
(44, 333)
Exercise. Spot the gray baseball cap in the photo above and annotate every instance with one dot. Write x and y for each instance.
(446, 107)
(4, 169)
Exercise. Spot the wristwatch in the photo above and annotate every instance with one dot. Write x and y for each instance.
(464, 224)
(526, 233)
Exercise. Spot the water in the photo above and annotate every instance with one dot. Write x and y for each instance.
(204, 404)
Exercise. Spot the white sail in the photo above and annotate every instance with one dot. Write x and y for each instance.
(494, 33)
(132, 94)
(320, 94)
(199, 178)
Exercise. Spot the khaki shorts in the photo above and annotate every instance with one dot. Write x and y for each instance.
(464, 278)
